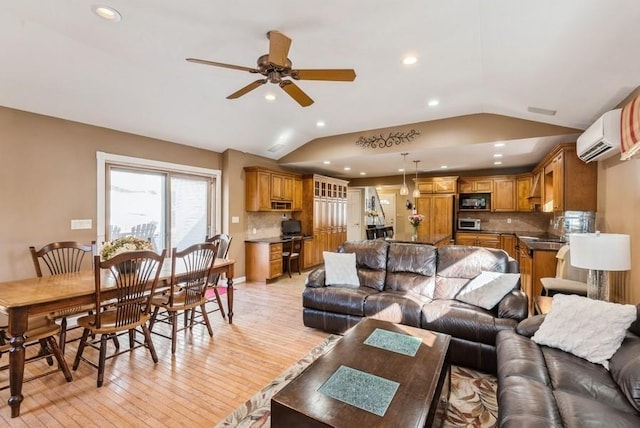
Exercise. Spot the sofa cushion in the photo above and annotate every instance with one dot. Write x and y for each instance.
(338, 299)
(457, 264)
(590, 329)
(487, 289)
(524, 402)
(402, 307)
(411, 267)
(464, 321)
(371, 261)
(624, 367)
(340, 269)
(580, 411)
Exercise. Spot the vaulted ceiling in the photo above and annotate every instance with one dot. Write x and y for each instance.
(515, 58)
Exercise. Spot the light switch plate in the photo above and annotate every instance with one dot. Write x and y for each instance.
(235, 219)
(81, 224)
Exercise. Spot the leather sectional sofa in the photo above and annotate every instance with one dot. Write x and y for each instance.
(416, 285)
(546, 387)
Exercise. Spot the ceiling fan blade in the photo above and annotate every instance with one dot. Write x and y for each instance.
(278, 48)
(296, 93)
(250, 87)
(346, 75)
(220, 64)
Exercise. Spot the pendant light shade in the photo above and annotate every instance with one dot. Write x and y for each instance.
(416, 191)
(404, 190)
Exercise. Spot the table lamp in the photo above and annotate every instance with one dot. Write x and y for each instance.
(600, 253)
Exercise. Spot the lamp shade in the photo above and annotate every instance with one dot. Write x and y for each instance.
(601, 251)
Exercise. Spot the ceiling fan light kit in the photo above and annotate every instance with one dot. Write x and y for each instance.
(278, 69)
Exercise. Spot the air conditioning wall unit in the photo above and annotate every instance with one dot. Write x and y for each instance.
(602, 139)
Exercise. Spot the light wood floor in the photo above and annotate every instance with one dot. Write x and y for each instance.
(203, 382)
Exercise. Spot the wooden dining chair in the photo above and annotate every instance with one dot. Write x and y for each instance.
(187, 292)
(42, 331)
(60, 258)
(223, 241)
(135, 276)
(291, 252)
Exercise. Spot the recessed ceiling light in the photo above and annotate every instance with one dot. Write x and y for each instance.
(106, 12)
(347, 168)
(326, 162)
(497, 155)
(270, 97)
(409, 60)
(443, 167)
(498, 145)
(320, 124)
(433, 103)
(363, 173)
(497, 163)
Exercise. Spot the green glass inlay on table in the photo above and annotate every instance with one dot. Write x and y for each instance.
(362, 390)
(395, 342)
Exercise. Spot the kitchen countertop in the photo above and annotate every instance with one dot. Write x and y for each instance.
(272, 240)
(541, 241)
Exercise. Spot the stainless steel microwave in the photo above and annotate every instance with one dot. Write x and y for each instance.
(474, 202)
(468, 224)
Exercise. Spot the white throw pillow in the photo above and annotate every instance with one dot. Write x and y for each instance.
(487, 289)
(587, 328)
(340, 269)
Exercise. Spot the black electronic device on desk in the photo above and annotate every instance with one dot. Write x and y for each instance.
(291, 228)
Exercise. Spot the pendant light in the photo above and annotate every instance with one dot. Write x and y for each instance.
(416, 191)
(404, 190)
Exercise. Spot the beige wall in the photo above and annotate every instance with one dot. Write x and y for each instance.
(48, 177)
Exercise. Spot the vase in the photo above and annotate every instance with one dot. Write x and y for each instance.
(414, 237)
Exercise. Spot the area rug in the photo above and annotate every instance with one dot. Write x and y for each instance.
(472, 402)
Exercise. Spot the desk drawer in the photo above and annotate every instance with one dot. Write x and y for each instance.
(275, 252)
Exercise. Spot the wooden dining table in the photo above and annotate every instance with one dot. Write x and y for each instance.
(21, 298)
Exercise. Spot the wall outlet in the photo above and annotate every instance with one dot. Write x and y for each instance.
(508, 221)
(235, 219)
(253, 231)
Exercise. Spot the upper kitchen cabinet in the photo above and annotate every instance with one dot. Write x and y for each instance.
(475, 185)
(504, 194)
(567, 183)
(268, 190)
(524, 184)
(437, 185)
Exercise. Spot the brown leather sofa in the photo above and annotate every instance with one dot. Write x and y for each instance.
(546, 387)
(415, 285)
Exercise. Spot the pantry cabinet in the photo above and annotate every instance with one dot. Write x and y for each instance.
(269, 190)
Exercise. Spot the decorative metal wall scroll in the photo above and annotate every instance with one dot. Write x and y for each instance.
(380, 142)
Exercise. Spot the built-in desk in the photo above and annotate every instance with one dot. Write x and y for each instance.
(263, 258)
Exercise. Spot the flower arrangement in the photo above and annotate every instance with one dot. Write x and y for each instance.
(372, 213)
(416, 219)
(124, 244)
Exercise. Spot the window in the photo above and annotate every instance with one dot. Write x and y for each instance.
(172, 205)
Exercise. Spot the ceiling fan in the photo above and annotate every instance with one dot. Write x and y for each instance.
(277, 68)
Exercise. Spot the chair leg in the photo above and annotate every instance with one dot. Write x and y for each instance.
(132, 338)
(206, 319)
(103, 357)
(298, 264)
(44, 351)
(154, 315)
(62, 363)
(63, 334)
(83, 342)
(174, 331)
(147, 339)
(289, 266)
(215, 291)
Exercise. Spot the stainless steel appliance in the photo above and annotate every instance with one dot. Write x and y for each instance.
(474, 202)
(468, 224)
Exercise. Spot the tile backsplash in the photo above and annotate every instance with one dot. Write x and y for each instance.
(265, 224)
(520, 222)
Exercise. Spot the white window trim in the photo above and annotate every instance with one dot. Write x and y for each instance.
(104, 158)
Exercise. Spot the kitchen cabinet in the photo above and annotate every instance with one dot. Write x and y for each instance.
(323, 216)
(444, 185)
(508, 243)
(475, 185)
(535, 264)
(504, 194)
(438, 217)
(263, 261)
(476, 239)
(523, 193)
(567, 183)
(267, 190)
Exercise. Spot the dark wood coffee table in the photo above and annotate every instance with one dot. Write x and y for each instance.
(420, 399)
